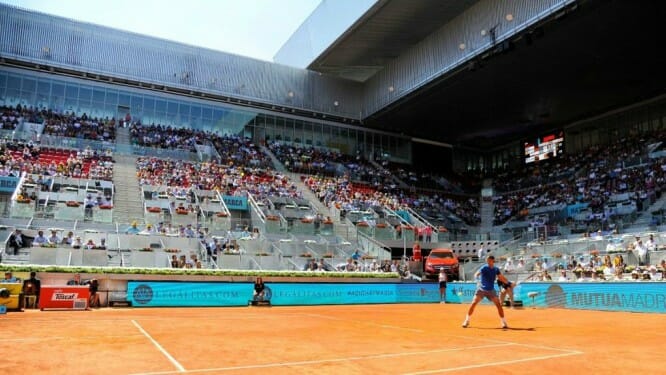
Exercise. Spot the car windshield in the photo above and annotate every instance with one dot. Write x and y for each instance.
(439, 255)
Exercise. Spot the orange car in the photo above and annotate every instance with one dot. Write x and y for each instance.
(442, 258)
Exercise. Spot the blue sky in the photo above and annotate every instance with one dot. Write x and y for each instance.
(253, 28)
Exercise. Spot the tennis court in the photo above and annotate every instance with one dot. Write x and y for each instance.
(357, 339)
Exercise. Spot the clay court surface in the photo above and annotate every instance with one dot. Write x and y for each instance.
(361, 339)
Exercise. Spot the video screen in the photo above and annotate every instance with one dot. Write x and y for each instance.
(546, 147)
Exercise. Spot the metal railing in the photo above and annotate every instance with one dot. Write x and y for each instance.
(372, 247)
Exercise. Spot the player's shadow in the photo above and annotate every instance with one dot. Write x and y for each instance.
(531, 329)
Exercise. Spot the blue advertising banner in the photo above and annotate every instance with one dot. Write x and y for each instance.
(353, 293)
(167, 293)
(625, 296)
(331, 294)
(616, 296)
(235, 203)
(575, 208)
(463, 292)
(417, 293)
(158, 293)
(8, 184)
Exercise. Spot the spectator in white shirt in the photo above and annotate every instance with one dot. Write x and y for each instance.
(521, 265)
(77, 244)
(650, 244)
(508, 266)
(641, 251)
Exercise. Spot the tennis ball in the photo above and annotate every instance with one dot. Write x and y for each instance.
(460, 294)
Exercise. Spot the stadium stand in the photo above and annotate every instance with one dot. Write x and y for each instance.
(200, 160)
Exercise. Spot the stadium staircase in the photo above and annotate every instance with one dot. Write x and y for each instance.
(487, 211)
(128, 204)
(344, 229)
(402, 184)
(487, 216)
(645, 218)
(5, 203)
(277, 165)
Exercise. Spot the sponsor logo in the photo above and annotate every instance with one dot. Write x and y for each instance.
(416, 292)
(143, 294)
(635, 301)
(555, 296)
(235, 203)
(203, 294)
(292, 293)
(8, 184)
(60, 296)
(361, 293)
(462, 292)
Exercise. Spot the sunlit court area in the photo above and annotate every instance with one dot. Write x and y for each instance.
(368, 339)
(332, 187)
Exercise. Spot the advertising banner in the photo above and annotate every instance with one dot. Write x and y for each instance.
(64, 297)
(460, 292)
(151, 294)
(575, 208)
(172, 293)
(331, 294)
(617, 296)
(607, 296)
(8, 184)
(417, 293)
(235, 203)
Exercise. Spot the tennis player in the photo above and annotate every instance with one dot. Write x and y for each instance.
(506, 290)
(486, 288)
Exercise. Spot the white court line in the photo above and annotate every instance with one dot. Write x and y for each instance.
(509, 342)
(567, 352)
(544, 347)
(161, 349)
(443, 334)
(548, 348)
(449, 369)
(332, 360)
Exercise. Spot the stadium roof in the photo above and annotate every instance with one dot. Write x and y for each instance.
(383, 33)
(600, 56)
